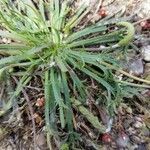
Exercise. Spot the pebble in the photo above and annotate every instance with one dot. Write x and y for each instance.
(40, 139)
(131, 131)
(144, 11)
(137, 118)
(136, 139)
(136, 67)
(146, 132)
(9, 147)
(138, 124)
(122, 140)
(127, 123)
(146, 53)
(86, 3)
(6, 41)
(129, 110)
(142, 146)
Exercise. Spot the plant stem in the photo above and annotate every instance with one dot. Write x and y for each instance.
(133, 84)
(125, 73)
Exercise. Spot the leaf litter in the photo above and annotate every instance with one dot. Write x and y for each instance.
(131, 123)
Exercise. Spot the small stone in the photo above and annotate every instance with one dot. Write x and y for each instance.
(136, 67)
(122, 140)
(127, 123)
(146, 132)
(142, 146)
(138, 119)
(131, 131)
(132, 147)
(106, 138)
(4, 40)
(148, 146)
(138, 124)
(146, 52)
(129, 110)
(25, 137)
(146, 93)
(136, 139)
(40, 139)
(8, 41)
(86, 3)
(9, 147)
(40, 102)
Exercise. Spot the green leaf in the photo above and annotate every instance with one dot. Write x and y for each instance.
(74, 19)
(58, 97)
(97, 78)
(61, 64)
(42, 10)
(85, 32)
(89, 116)
(107, 38)
(13, 36)
(68, 110)
(78, 83)
(49, 106)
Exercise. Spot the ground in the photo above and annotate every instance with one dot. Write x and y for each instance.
(131, 124)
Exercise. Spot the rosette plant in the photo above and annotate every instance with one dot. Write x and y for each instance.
(48, 37)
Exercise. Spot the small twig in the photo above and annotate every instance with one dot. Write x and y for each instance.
(133, 84)
(32, 116)
(139, 21)
(109, 3)
(98, 7)
(2, 90)
(89, 116)
(35, 88)
(125, 73)
(31, 113)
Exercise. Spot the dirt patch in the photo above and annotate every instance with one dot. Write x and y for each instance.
(131, 125)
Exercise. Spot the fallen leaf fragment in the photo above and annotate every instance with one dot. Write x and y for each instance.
(40, 102)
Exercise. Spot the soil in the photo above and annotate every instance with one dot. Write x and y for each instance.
(131, 124)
